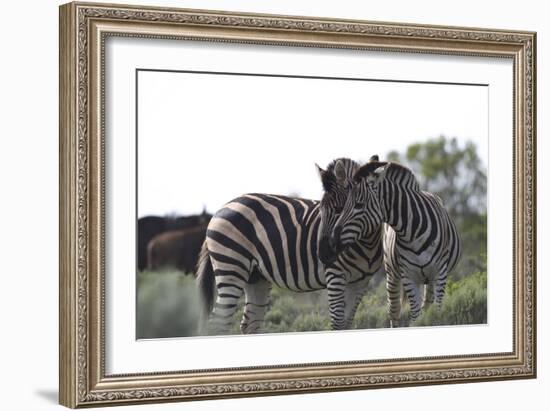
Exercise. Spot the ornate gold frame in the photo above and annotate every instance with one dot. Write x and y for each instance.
(83, 29)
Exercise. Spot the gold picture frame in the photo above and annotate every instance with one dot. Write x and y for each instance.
(83, 30)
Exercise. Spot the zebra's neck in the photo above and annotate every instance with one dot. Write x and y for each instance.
(373, 240)
(401, 208)
(312, 214)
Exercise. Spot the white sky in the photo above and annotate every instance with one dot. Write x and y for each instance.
(206, 139)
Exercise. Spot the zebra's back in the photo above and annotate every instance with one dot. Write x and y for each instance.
(277, 235)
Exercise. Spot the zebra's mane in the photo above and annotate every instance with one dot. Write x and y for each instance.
(395, 173)
(329, 177)
(350, 165)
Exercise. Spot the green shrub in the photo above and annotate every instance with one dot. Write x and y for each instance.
(167, 305)
(465, 303)
(372, 312)
(312, 321)
(293, 312)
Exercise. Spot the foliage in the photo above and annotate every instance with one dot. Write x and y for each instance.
(372, 312)
(465, 303)
(167, 307)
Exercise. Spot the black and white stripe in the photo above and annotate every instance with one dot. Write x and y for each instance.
(258, 240)
(421, 244)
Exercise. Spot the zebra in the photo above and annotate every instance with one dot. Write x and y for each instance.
(259, 240)
(421, 242)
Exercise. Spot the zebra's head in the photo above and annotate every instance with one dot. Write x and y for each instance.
(337, 180)
(362, 214)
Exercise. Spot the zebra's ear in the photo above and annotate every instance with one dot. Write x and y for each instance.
(320, 171)
(374, 158)
(327, 178)
(340, 172)
(377, 175)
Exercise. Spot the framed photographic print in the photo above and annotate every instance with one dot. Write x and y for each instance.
(260, 204)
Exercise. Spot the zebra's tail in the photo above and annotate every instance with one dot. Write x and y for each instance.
(205, 283)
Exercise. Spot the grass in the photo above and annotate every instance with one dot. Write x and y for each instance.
(168, 306)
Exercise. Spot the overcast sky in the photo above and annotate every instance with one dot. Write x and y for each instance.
(205, 139)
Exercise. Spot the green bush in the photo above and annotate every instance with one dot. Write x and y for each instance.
(465, 303)
(310, 322)
(372, 312)
(167, 305)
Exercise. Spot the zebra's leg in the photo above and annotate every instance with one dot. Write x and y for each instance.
(393, 288)
(257, 302)
(428, 295)
(415, 298)
(353, 296)
(440, 285)
(336, 289)
(229, 291)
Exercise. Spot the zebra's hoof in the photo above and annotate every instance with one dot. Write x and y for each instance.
(394, 324)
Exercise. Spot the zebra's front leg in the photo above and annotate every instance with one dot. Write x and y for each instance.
(415, 298)
(393, 288)
(257, 303)
(336, 289)
(353, 295)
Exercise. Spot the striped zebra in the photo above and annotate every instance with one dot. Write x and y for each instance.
(258, 240)
(421, 242)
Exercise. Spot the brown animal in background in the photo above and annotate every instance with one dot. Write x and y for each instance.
(150, 226)
(147, 228)
(177, 249)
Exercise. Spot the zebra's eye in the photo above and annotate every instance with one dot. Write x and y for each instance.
(359, 205)
(338, 209)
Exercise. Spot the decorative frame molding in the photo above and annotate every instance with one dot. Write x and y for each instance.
(83, 29)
